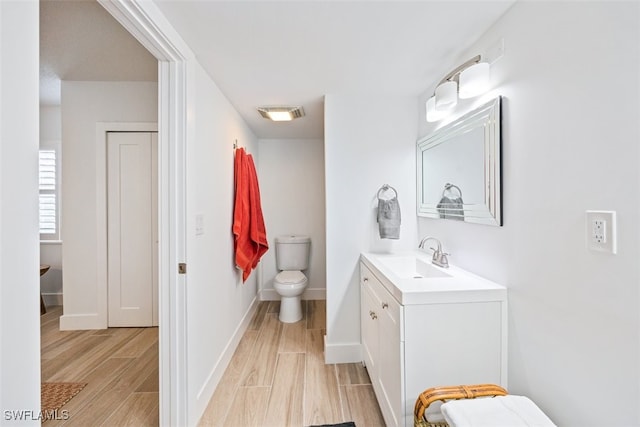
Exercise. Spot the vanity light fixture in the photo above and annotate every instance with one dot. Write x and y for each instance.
(465, 81)
(281, 114)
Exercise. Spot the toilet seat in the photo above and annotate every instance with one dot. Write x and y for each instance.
(291, 277)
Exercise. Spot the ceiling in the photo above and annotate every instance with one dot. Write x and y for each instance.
(80, 40)
(278, 52)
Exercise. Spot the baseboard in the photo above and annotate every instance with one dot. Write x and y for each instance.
(78, 322)
(221, 365)
(309, 294)
(342, 353)
(52, 299)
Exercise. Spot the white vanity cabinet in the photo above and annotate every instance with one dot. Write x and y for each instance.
(444, 331)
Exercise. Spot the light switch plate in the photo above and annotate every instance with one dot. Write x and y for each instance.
(601, 231)
(199, 224)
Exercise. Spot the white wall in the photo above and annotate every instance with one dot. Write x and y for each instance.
(84, 104)
(50, 123)
(363, 151)
(291, 176)
(570, 144)
(219, 304)
(19, 300)
(51, 251)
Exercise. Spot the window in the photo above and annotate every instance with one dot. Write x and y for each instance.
(48, 186)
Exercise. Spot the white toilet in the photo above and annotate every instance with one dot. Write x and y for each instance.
(292, 256)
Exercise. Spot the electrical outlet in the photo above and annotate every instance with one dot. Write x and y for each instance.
(601, 231)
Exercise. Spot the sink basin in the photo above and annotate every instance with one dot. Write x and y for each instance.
(412, 279)
(411, 267)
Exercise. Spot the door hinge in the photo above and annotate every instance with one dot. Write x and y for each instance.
(182, 268)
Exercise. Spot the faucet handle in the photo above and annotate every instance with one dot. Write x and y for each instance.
(444, 261)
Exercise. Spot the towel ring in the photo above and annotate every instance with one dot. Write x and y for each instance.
(385, 188)
(449, 186)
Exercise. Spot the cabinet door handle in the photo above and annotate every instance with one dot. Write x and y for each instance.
(365, 280)
(385, 305)
(373, 315)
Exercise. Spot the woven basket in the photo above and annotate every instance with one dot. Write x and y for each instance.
(443, 394)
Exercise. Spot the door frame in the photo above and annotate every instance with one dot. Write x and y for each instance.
(102, 282)
(149, 26)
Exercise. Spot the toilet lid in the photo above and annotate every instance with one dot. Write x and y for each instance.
(291, 277)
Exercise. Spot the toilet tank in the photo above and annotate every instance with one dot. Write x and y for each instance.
(292, 252)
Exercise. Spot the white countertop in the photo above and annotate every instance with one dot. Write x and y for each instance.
(458, 286)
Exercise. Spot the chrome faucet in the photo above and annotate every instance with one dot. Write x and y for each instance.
(439, 258)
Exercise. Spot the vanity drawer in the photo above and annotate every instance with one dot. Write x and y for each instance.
(366, 275)
(386, 304)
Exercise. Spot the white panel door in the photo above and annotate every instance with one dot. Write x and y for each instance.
(132, 236)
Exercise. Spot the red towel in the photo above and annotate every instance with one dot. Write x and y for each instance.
(250, 241)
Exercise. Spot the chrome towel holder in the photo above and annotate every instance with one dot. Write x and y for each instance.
(386, 187)
(449, 186)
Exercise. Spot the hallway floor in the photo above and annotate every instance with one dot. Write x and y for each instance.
(277, 377)
(119, 365)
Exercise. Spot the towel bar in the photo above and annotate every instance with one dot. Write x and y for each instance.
(385, 188)
(449, 186)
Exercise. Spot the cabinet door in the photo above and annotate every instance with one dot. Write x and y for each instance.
(369, 325)
(390, 365)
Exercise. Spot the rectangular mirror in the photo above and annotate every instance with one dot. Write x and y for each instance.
(459, 168)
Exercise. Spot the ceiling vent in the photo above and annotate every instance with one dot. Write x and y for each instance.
(281, 114)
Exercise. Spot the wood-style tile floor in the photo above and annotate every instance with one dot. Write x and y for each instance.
(119, 365)
(277, 377)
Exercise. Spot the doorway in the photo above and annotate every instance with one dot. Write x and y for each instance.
(141, 20)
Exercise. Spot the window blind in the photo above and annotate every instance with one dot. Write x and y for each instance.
(48, 187)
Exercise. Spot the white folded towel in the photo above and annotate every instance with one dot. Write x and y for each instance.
(500, 411)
